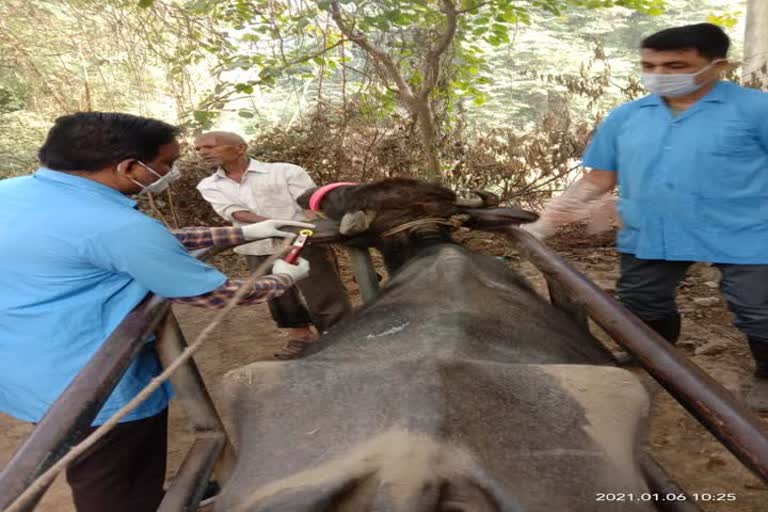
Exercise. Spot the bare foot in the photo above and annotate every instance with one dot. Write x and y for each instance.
(293, 349)
(302, 333)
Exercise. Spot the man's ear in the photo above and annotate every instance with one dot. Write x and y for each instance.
(124, 175)
(125, 167)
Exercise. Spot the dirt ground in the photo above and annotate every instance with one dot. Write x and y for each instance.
(688, 452)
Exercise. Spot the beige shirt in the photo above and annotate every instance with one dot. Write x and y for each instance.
(266, 189)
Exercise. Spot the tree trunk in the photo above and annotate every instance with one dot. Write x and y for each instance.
(756, 43)
(416, 102)
(423, 111)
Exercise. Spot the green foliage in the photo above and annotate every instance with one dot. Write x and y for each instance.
(725, 20)
(254, 64)
(279, 39)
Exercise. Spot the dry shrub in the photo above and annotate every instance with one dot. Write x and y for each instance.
(333, 146)
(521, 168)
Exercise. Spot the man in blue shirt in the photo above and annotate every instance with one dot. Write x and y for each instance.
(691, 163)
(76, 257)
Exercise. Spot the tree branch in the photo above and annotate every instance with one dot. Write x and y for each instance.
(432, 60)
(315, 54)
(534, 186)
(386, 65)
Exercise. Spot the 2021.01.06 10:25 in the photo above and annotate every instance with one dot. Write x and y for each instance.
(652, 496)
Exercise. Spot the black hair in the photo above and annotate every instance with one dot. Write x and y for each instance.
(89, 141)
(708, 39)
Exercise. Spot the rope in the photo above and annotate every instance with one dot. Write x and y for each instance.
(44, 480)
(454, 222)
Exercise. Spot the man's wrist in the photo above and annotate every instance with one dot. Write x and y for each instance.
(247, 217)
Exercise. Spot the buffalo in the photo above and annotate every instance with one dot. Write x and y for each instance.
(459, 388)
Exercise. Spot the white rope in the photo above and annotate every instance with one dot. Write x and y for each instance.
(455, 222)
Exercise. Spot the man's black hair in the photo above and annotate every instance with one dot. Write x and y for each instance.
(89, 141)
(708, 39)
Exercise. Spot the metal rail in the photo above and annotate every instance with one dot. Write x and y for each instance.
(365, 275)
(726, 417)
(670, 496)
(190, 482)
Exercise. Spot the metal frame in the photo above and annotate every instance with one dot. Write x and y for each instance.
(727, 418)
(65, 424)
(212, 451)
(70, 417)
(365, 275)
(659, 482)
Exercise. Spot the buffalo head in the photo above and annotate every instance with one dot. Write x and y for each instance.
(375, 209)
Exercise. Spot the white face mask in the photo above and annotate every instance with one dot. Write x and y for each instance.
(161, 183)
(674, 85)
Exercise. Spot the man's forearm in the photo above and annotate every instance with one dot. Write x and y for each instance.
(247, 217)
(263, 289)
(605, 180)
(201, 237)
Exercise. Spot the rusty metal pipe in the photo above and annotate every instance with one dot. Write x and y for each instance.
(190, 391)
(365, 274)
(672, 498)
(189, 484)
(727, 418)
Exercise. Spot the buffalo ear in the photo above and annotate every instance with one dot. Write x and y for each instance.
(303, 199)
(354, 223)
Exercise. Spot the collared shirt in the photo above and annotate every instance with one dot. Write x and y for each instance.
(266, 189)
(693, 187)
(76, 258)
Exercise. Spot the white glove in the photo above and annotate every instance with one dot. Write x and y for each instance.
(271, 229)
(603, 215)
(298, 271)
(539, 229)
(570, 206)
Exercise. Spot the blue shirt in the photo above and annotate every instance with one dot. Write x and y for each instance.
(75, 258)
(692, 187)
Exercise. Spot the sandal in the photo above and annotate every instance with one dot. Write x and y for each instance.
(293, 349)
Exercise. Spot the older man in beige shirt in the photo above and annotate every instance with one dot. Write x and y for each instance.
(243, 191)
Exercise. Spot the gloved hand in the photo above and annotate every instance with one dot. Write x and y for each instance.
(298, 271)
(572, 205)
(271, 229)
(539, 229)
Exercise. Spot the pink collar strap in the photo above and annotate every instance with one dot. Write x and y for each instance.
(319, 194)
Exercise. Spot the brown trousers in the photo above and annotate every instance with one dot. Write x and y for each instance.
(125, 470)
(325, 299)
